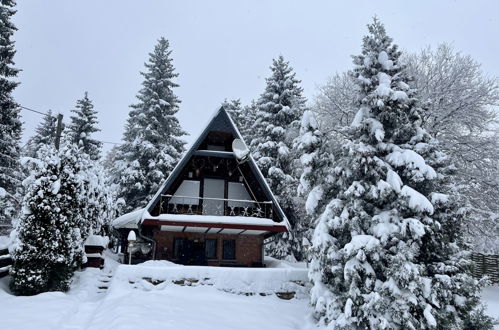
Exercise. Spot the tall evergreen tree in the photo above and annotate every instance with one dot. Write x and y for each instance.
(386, 249)
(243, 116)
(153, 141)
(10, 123)
(44, 135)
(83, 125)
(280, 108)
(48, 238)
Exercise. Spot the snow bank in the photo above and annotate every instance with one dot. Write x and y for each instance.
(202, 307)
(96, 240)
(276, 263)
(236, 280)
(159, 263)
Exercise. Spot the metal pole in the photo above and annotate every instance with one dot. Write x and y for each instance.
(58, 131)
(130, 253)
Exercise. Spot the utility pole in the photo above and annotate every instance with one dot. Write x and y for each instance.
(58, 131)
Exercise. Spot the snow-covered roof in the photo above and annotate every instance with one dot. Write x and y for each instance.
(220, 116)
(262, 225)
(97, 240)
(129, 220)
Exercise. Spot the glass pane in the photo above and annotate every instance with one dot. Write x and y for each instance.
(211, 248)
(229, 251)
(239, 192)
(189, 188)
(178, 244)
(213, 195)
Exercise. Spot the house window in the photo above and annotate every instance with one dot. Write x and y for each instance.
(178, 247)
(188, 188)
(211, 248)
(238, 194)
(229, 249)
(213, 195)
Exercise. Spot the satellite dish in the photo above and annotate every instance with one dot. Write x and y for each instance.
(240, 150)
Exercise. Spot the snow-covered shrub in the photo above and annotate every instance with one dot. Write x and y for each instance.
(48, 242)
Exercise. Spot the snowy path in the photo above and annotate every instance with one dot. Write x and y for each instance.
(57, 310)
(90, 291)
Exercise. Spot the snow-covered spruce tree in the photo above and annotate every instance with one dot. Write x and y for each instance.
(315, 158)
(48, 243)
(83, 125)
(44, 135)
(460, 111)
(243, 116)
(386, 250)
(153, 141)
(10, 123)
(235, 109)
(280, 108)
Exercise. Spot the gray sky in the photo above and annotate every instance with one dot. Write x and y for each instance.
(221, 49)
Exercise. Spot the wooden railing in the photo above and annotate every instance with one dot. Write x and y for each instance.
(5, 262)
(215, 206)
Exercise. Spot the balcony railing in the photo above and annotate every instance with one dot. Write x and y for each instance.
(215, 206)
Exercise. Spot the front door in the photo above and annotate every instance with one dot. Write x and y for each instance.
(189, 252)
(213, 195)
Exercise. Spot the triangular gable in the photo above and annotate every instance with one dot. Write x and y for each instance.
(221, 121)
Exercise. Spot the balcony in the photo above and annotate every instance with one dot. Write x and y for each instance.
(215, 206)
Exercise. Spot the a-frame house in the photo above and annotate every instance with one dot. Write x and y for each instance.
(214, 209)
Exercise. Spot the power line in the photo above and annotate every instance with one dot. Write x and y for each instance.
(48, 115)
(115, 143)
(39, 112)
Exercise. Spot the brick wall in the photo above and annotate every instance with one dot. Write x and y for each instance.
(248, 247)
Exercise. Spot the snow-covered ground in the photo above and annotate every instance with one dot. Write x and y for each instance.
(4, 242)
(490, 296)
(146, 297)
(203, 298)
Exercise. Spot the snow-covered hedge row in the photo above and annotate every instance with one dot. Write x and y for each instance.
(237, 280)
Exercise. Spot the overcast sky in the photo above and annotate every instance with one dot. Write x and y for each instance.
(221, 49)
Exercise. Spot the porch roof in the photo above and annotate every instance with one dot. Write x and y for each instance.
(208, 224)
(212, 224)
